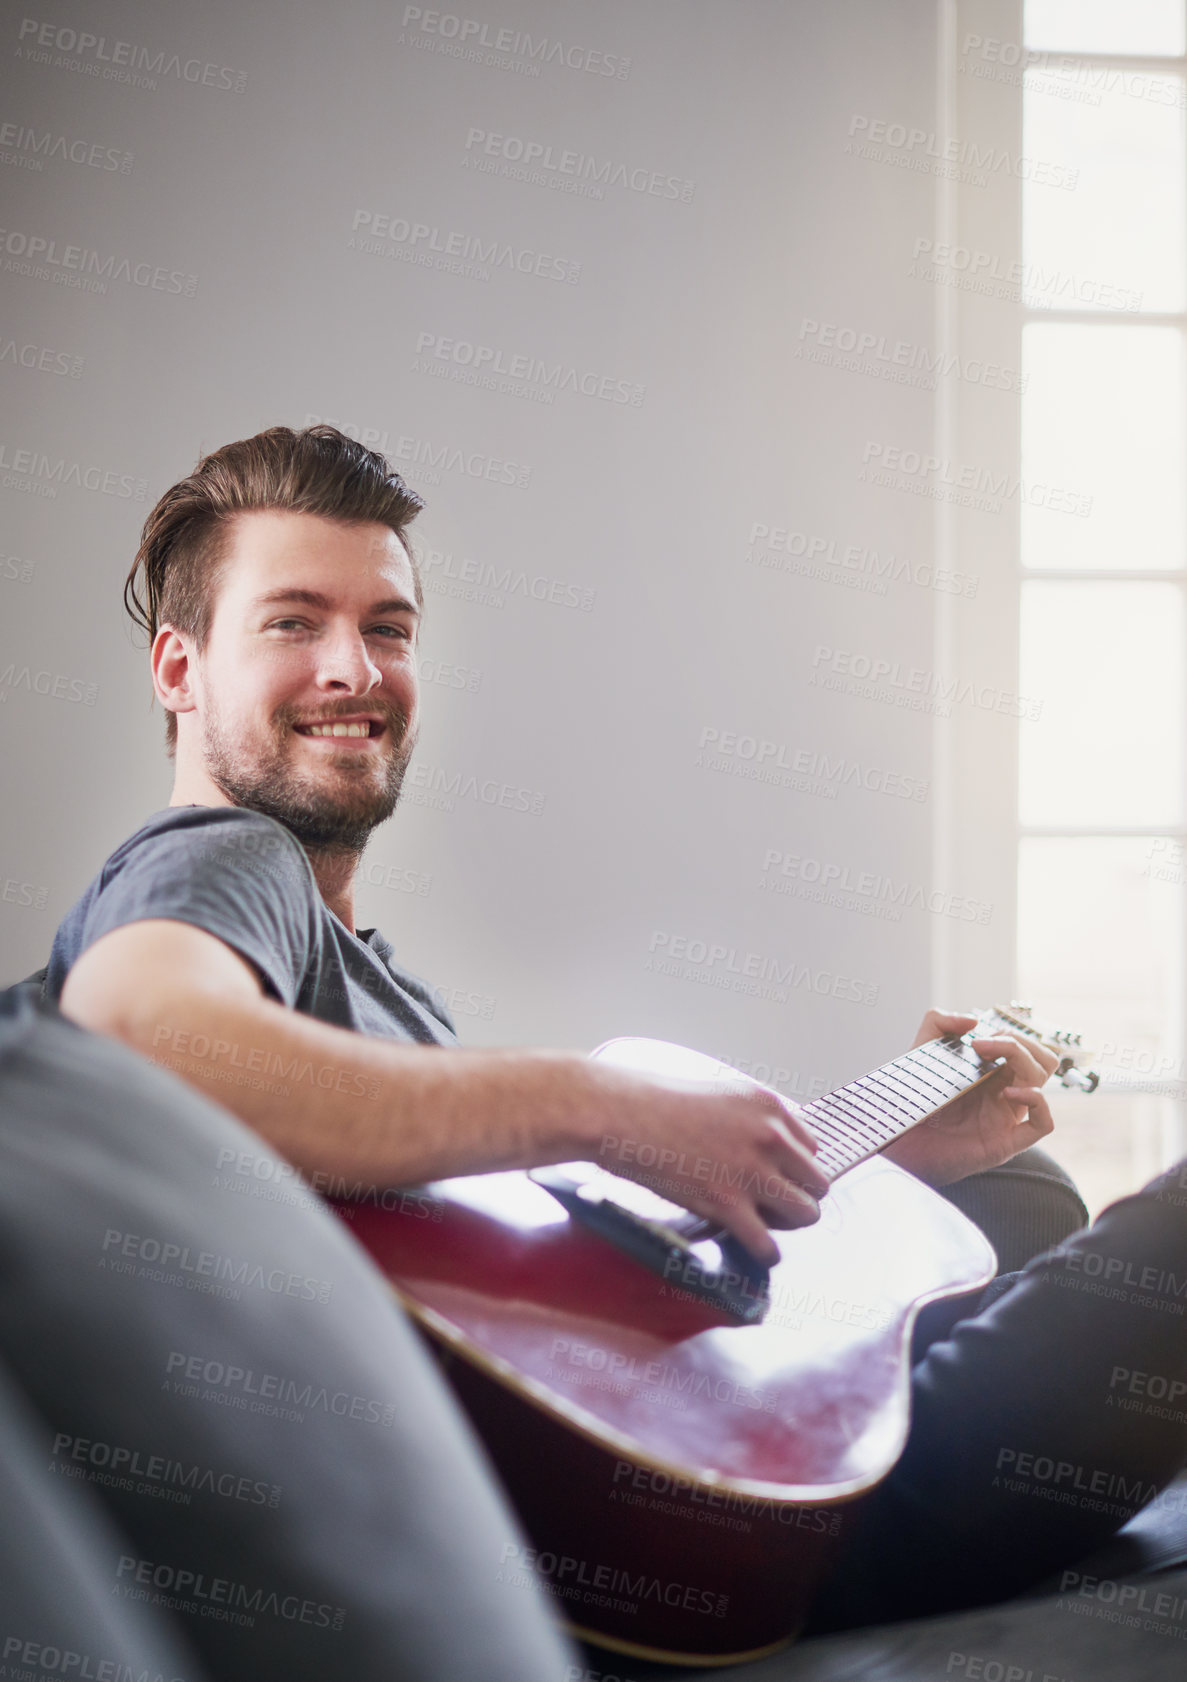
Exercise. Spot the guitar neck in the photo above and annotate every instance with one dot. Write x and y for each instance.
(858, 1119)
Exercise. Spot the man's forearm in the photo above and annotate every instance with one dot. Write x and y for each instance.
(332, 1100)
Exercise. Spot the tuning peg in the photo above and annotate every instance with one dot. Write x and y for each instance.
(1084, 1080)
(1022, 1009)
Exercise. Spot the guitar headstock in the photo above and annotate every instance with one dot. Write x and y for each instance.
(1017, 1018)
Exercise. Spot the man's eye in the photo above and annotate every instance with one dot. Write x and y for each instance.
(399, 630)
(280, 624)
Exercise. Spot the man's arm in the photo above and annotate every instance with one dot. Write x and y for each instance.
(388, 1113)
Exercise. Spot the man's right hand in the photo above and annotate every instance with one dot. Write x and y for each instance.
(736, 1153)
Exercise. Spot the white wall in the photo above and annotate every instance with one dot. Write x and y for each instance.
(544, 923)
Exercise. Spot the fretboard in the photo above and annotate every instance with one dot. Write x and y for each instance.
(858, 1119)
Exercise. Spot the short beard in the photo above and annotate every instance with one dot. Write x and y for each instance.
(323, 823)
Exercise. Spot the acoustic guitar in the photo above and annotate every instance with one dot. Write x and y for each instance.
(679, 1428)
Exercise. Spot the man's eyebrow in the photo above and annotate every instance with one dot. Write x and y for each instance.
(314, 598)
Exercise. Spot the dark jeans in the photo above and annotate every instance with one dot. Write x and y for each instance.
(1040, 1423)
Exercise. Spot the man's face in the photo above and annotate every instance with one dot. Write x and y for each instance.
(315, 622)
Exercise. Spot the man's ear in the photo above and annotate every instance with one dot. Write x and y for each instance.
(171, 659)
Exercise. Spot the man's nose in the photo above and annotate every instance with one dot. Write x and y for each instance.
(344, 658)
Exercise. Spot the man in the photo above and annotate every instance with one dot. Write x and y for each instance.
(283, 604)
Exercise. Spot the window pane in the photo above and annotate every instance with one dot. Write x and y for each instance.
(1114, 238)
(1099, 932)
(1105, 26)
(1105, 663)
(1103, 446)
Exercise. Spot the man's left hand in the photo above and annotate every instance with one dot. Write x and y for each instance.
(989, 1124)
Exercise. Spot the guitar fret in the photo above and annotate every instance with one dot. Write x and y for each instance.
(897, 1097)
(868, 1093)
(860, 1129)
(941, 1078)
(961, 1055)
(932, 1096)
(841, 1101)
(861, 1117)
(961, 1067)
(859, 1113)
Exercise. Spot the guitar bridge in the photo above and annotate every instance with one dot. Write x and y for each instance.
(738, 1286)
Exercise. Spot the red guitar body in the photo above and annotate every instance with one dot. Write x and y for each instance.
(682, 1477)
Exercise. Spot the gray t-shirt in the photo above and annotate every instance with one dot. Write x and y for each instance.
(246, 879)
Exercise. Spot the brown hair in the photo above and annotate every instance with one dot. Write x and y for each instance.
(183, 545)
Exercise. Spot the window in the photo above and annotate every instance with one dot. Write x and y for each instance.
(1079, 241)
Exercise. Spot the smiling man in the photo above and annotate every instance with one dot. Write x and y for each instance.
(282, 598)
(296, 598)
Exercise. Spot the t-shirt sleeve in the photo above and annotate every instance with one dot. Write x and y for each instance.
(240, 876)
